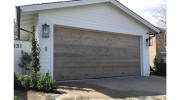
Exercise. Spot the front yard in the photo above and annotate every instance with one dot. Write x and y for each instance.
(34, 95)
(141, 88)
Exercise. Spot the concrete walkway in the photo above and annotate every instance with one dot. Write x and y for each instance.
(121, 87)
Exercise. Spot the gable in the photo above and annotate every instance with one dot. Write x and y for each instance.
(101, 16)
(65, 4)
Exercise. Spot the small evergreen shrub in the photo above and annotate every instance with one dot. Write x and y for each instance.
(34, 82)
(24, 61)
(34, 78)
(17, 82)
(17, 98)
(160, 67)
(46, 83)
(25, 81)
(35, 51)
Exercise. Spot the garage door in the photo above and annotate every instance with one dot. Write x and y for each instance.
(81, 54)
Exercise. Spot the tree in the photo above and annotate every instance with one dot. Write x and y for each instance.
(161, 15)
(160, 18)
(24, 61)
(35, 51)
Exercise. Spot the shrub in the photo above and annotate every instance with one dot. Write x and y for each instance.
(34, 78)
(24, 61)
(35, 51)
(46, 83)
(17, 98)
(25, 81)
(17, 82)
(160, 67)
(34, 81)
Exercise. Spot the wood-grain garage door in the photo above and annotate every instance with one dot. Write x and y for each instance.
(80, 54)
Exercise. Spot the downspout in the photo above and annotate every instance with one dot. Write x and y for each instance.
(18, 18)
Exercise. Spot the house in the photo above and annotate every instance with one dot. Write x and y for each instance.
(152, 52)
(88, 38)
(158, 49)
(161, 45)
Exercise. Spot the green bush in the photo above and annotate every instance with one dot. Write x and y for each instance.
(35, 51)
(17, 82)
(160, 66)
(34, 78)
(46, 83)
(34, 81)
(17, 98)
(25, 81)
(24, 61)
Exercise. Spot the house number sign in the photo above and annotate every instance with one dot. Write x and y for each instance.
(17, 45)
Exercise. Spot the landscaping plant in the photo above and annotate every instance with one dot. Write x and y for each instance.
(34, 79)
(25, 81)
(35, 51)
(46, 83)
(24, 61)
(34, 82)
(160, 67)
(17, 98)
(17, 82)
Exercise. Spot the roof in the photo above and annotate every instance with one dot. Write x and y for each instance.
(62, 4)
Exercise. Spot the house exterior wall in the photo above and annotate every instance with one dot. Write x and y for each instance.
(103, 17)
(152, 52)
(24, 36)
(27, 23)
(18, 47)
(160, 43)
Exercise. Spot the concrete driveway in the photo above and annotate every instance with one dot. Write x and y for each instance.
(118, 87)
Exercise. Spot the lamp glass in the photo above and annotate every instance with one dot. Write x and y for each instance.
(147, 42)
(45, 31)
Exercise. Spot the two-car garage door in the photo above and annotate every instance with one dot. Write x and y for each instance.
(80, 54)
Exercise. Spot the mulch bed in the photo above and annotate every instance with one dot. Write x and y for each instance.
(23, 93)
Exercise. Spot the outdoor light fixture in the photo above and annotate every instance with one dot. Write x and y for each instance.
(45, 31)
(149, 41)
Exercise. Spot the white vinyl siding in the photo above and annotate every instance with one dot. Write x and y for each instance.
(104, 16)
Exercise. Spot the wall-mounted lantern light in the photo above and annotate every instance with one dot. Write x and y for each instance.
(149, 41)
(45, 31)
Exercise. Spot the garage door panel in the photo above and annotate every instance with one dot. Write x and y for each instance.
(65, 38)
(98, 72)
(97, 55)
(96, 63)
(89, 68)
(80, 54)
(65, 76)
(89, 35)
(97, 43)
(94, 66)
(85, 49)
(95, 50)
(119, 58)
